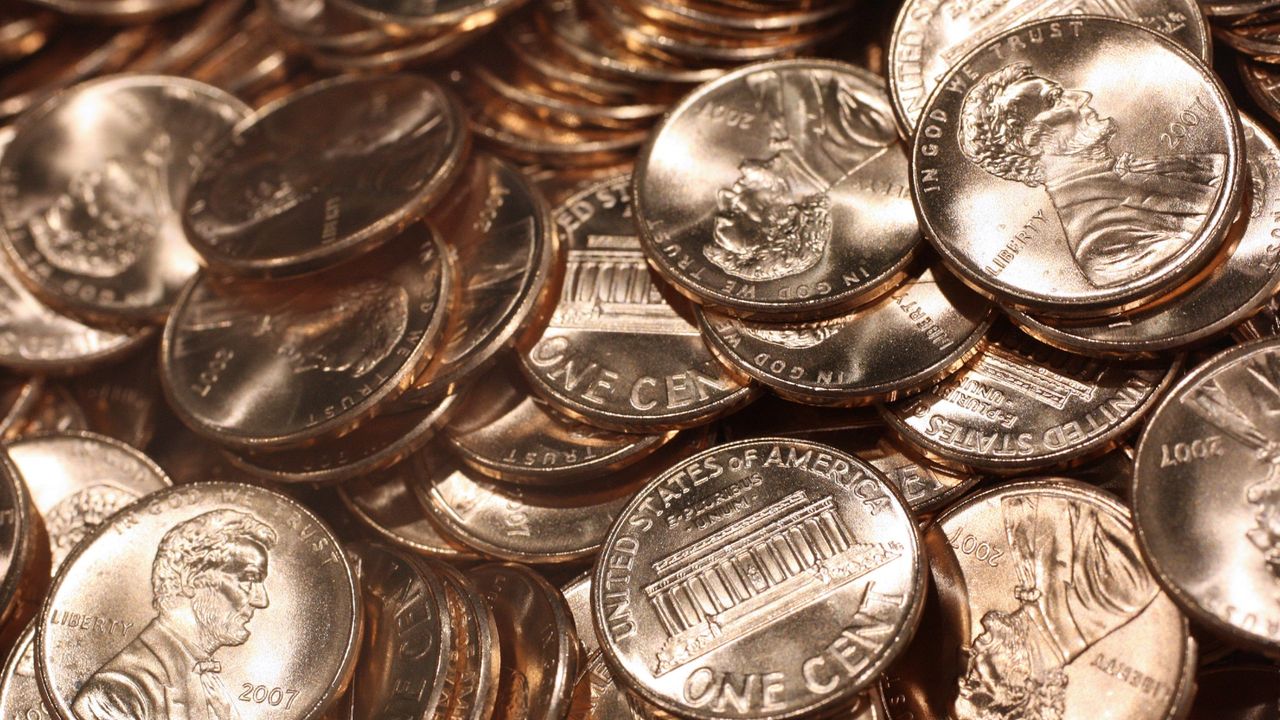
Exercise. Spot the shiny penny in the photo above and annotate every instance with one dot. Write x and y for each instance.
(420, 15)
(475, 686)
(1042, 222)
(617, 353)
(68, 58)
(925, 329)
(778, 190)
(1205, 495)
(78, 480)
(1021, 405)
(384, 503)
(932, 35)
(601, 697)
(19, 550)
(198, 596)
(268, 364)
(288, 195)
(539, 645)
(734, 584)
(1234, 290)
(92, 189)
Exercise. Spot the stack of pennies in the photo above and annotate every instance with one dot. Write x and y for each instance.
(613, 359)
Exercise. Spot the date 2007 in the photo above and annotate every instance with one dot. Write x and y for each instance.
(1173, 137)
(274, 697)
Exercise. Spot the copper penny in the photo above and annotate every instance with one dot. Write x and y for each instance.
(384, 503)
(19, 550)
(603, 697)
(475, 688)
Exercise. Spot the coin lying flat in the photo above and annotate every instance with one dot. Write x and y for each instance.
(779, 190)
(1204, 494)
(384, 504)
(204, 596)
(926, 328)
(930, 36)
(1020, 405)
(759, 579)
(287, 195)
(92, 189)
(1032, 145)
(1234, 289)
(78, 480)
(617, 353)
(332, 347)
(1060, 615)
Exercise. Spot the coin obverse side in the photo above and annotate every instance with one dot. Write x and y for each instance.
(778, 190)
(930, 36)
(1206, 499)
(617, 354)
(1063, 617)
(766, 578)
(225, 598)
(1105, 110)
(92, 189)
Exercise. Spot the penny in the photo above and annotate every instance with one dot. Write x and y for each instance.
(1263, 85)
(247, 63)
(78, 480)
(1238, 692)
(1059, 614)
(415, 51)
(505, 433)
(778, 190)
(498, 229)
(92, 189)
(604, 699)
(924, 330)
(410, 632)
(618, 353)
(1208, 443)
(1020, 405)
(156, 609)
(475, 688)
(19, 691)
(288, 196)
(384, 504)
(117, 11)
(547, 103)
(122, 401)
(24, 31)
(930, 36)
(23, 558)
(335, 345)
(69, 58)
(185, 40)
(1040, 223)
(419, 15)
(320, 27)
(1264, 323)
(539, 645)
(1234, 290)
(764, 578)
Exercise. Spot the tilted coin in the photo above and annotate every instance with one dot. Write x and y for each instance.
(22, 556)
(1237, 692)
(92, 188)
(1233, 290)
(1206, 501)
(1060, 616)
(287, 195)
(1020, 405)
(617, 353)
(539, 645)
(19, 691)
(603, 697)
(475, 688)
(419, 15)
(778, 190)
(930, 36)
(275, 363)
(384, 503)
(78, 480)
(156, 610)
(68, 59)
(925, 329)
(759, 579)
(1056, 170)
(184, 41)
(504, 432)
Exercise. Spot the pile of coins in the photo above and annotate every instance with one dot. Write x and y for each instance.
(611, 359)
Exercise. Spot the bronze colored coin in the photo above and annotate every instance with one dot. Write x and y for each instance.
(1043, 222)
(1060, 616)
(1233, 290)
(1019, 405)
(767, 578)
(618, 354)
(604, 699)
(779, 190)
(256, 364)
(504, 432)
(384, 504)
(185, 40)
(78, 480)
(376, 444)
(19, 551)
(288, 195)
(408, 641)
(475, 688)
(117, 11)
(498, 229)
(250, 62)
(153, 611)
(23, 31)
(1264, 323)
(924, 330)
(68, 59)
(1262, 81)
(1205, 498)
(930, 36)
(401, 54)
(19, 691)
(320, 27)
(92, 189)
(419, 15)
(539, 645)
(123, 401)
(1237, 692)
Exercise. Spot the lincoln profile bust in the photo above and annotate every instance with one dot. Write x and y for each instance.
(207, 580)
